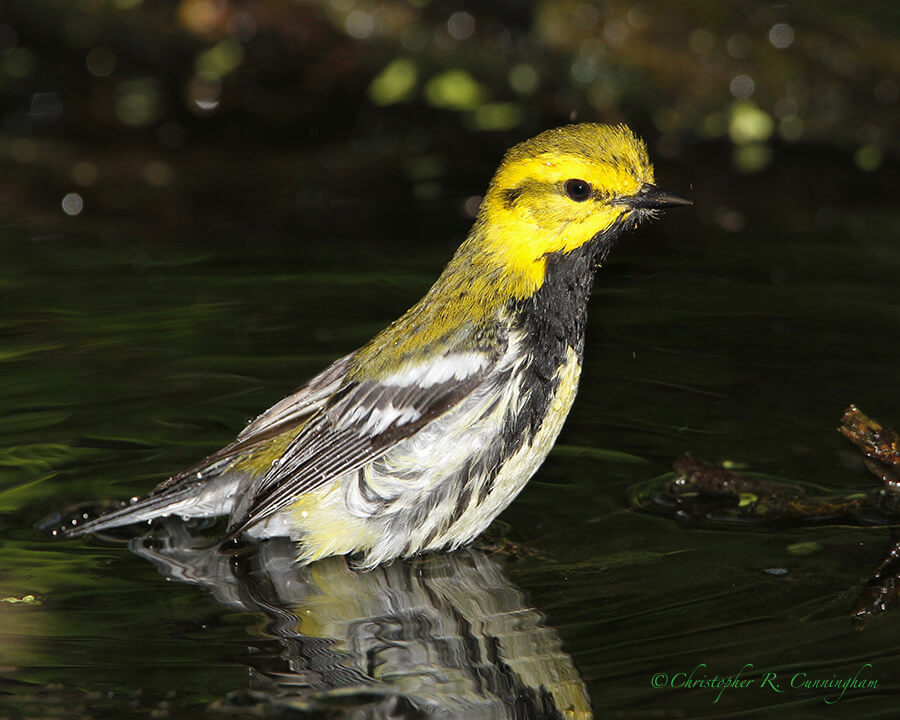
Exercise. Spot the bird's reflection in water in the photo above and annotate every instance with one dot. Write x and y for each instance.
(446, 635)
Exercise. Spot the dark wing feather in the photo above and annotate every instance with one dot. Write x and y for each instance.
(291, 412)
(298, 406)
(346, 434)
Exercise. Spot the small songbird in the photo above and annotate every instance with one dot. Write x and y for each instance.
(420, 438)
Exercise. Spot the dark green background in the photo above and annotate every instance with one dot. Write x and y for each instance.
(224, 255)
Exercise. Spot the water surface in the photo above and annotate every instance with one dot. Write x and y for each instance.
(203, 204)
(128, 355)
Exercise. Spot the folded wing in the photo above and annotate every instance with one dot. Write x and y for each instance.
(359, 423)
(338, 425)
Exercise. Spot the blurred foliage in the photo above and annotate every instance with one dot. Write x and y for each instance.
(120, 91)
(821, 71)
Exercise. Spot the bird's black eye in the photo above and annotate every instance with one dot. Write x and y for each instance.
(578, 190)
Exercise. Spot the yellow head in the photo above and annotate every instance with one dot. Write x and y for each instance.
(559, 190)
(551, 194)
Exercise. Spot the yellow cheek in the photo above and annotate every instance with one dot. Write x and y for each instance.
(518, 244)
(576, 233)
(522, 244)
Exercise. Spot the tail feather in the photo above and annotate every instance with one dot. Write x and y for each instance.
(147, 508)
(192, 493)
(209, 488)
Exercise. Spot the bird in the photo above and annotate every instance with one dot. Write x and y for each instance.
(417, 440)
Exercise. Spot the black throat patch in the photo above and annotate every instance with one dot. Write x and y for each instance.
(554, 319)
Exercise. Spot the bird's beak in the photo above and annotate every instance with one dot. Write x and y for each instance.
(650, 197)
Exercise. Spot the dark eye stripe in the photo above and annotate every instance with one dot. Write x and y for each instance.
(510, 196)
(578, 190)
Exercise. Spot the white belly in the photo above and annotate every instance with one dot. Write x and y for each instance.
(429, 491)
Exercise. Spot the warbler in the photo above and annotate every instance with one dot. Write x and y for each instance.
(419, 439)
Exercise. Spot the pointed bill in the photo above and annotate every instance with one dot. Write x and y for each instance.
(650, 197)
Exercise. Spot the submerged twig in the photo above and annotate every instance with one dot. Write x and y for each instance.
(876, 441)
(882, 590)
(880, 445)
(701, 490)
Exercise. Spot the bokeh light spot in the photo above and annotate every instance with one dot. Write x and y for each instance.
(748, 123)
(426, 167)
(137, 101)
(45, 107)
(639, 17)
(204, 93)
(738, 46)
(454, 90)
(584, 70)
(100, 61)
(868, 157)
(497, 116)
(615, 32)
(729, 219)
(461, 25)
(523, 78)
(742, 86)
(157, 173)
(201, 16)
(786, 108)
(714, 125)
(394, 83)
(791, 129)
(752, 157)
(781, 35)
(221, 59)
(19, 63)
(72, 204)
(472, 205)
(84, 173)
(359, 24)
